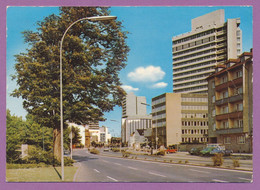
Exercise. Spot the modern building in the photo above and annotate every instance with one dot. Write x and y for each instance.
(105, 136)
(230, 104)
(133, 116)
(210, 42)
(179, 117)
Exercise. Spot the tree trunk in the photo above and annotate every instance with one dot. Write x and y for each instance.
(57, 144)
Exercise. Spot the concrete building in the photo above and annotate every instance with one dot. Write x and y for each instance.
(133, 116)
(179, 117)
(105, 136)
(210, 42)
(230, 104)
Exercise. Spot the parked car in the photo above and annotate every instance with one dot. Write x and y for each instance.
(195, 151)
(221, 151)
(206, 151)
(171, 149)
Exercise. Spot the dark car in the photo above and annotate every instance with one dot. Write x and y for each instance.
(195, 151)
(221, 151)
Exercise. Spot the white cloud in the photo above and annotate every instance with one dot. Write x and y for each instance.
(160, 85)
(146, 74)
(129, 88)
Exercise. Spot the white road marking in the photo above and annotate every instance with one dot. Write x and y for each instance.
(219, 181)
(111, 178)
(97, 171)
(132, 168)
(105, 161)
(118, 164)
(157, 174)
(200, 171)
(245, 179)
(76, 174)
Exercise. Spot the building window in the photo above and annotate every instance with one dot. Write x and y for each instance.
(213, 113)
(239, 107)
(225, 124)
(224, 79)
(213, 99)
(224, 94)
(227, 140)
(214, 127)
(239, 123)
(239, 90)
(239, 74)
(224, 110)
(213, 84)
(241, 140)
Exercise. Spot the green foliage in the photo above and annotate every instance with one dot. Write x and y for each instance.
(126, 154)
(236, 163)
(25, 166)
(93, 55)
(37, 155)
(68, 161)
(116, 149)
(76, 140)
(94, 151)
(20, 132)
(218, 160)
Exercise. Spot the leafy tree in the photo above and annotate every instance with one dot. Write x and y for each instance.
(19, 131)
(76, 139)
(93, 55)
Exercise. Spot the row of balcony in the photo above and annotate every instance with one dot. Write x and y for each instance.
(230, 115)
(227, 84)
(231, 99)
(229, 131)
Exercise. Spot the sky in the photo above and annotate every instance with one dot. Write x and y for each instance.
(149, 67)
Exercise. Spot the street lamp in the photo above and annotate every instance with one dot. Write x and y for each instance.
(121, 135)
(156, 138)
(96, 18)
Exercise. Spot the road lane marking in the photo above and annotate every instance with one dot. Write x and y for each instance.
(76, 174)
(200, 171)
(132, 168)
(157, 174)
(96, 171)
(118, 164)
(111, 178)
(245, 179)
(219, 181)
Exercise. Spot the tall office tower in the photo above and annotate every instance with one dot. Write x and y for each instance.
(132, 105)
(134, 115)
(210, 42)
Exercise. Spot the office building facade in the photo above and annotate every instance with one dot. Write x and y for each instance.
(179, 118)
(210, 42)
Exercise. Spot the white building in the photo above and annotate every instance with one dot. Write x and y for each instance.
(105, 136)
(211, 42)
(134, 115)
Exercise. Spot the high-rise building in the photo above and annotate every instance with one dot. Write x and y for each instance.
(180, 117)
(230, 104)
(210, 42)
(134, 115)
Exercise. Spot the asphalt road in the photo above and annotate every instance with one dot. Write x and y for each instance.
(97, 168)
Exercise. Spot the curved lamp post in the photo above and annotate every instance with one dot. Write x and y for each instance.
(96, 18)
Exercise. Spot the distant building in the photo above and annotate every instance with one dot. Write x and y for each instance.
(231, 104)
(210, 42)
(133, 115)
(137, 138)
(179, 117)
(105, 136)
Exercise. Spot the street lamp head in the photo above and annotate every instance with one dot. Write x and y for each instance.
(101, 18)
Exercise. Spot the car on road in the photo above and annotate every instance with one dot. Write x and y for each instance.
(106, 149)
(206, 151)
(195, 151)
(171, 149)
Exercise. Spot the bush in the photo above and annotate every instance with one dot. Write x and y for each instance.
(125, 154)
(161, 153)
(37, 155)
(217, 159)
(236, 163)
(94, 151)
(186, 161)
(115, 149)
(68, 161)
